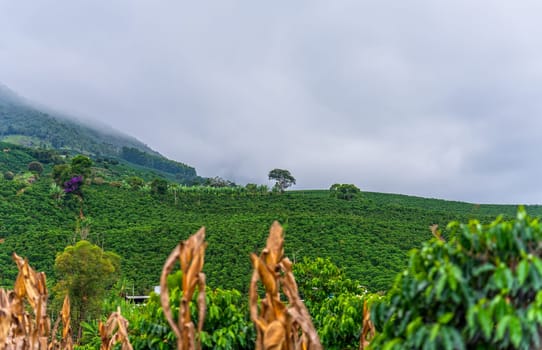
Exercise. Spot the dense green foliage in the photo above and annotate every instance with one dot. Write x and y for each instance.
(15, 158)
(85, 273)
(344, 191)
(227, 324)
(334, 301)
(134, 155)
(368, 237)
(479, 288)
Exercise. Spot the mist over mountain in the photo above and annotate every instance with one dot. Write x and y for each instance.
(9, 97)
(25, 123)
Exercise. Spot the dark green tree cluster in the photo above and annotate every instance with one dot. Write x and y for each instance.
(134, 155)
(334, 301)
(80, 166)
(159, 187)
(135, 182)
(85, 272)
(344, 191)
(478, 288)
(35, 167)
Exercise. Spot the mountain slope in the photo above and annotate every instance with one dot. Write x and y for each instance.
(23, 123)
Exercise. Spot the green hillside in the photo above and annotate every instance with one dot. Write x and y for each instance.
(368, 237)
(26, 125)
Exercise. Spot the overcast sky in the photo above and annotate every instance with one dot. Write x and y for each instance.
(431, 98)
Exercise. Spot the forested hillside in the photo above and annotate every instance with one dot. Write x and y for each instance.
(24, 124)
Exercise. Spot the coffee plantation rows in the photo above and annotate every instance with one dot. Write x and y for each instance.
(368, 237)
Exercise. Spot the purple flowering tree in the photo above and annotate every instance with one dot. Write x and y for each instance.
(73, 184)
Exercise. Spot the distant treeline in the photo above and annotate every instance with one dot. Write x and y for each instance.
(135, 156)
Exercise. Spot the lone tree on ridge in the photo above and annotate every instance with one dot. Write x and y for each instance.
(283, 179)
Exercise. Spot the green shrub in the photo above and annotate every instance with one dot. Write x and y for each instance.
(479, 289)
(344, 191)
(227, 324)
(35, 167)
(334, 302)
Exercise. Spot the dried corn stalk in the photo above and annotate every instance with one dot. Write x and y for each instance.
(367, 328)
(191, 254)
(66, 343)
(5, 317)
(115, 330)
(279, 326)
(23, 327)
(27, 332)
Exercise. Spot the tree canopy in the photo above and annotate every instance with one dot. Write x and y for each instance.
(85, 272)
(344, 191)
(283, 179)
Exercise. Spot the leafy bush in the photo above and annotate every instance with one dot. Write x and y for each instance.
(334, 301)
(35, 167)
(344, 191)
(480, 289)
(61, 173)
(135, 182)
(159, 187)
(227, 324)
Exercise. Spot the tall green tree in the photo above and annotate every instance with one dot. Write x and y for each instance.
(283, 179)
(80, 166)
(85, 272)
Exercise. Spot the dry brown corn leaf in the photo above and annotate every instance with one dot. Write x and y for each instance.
(114, 331)
(279, 326)
(5, 317)
(190, 254)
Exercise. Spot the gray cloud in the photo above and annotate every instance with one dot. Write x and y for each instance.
(428, 98)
